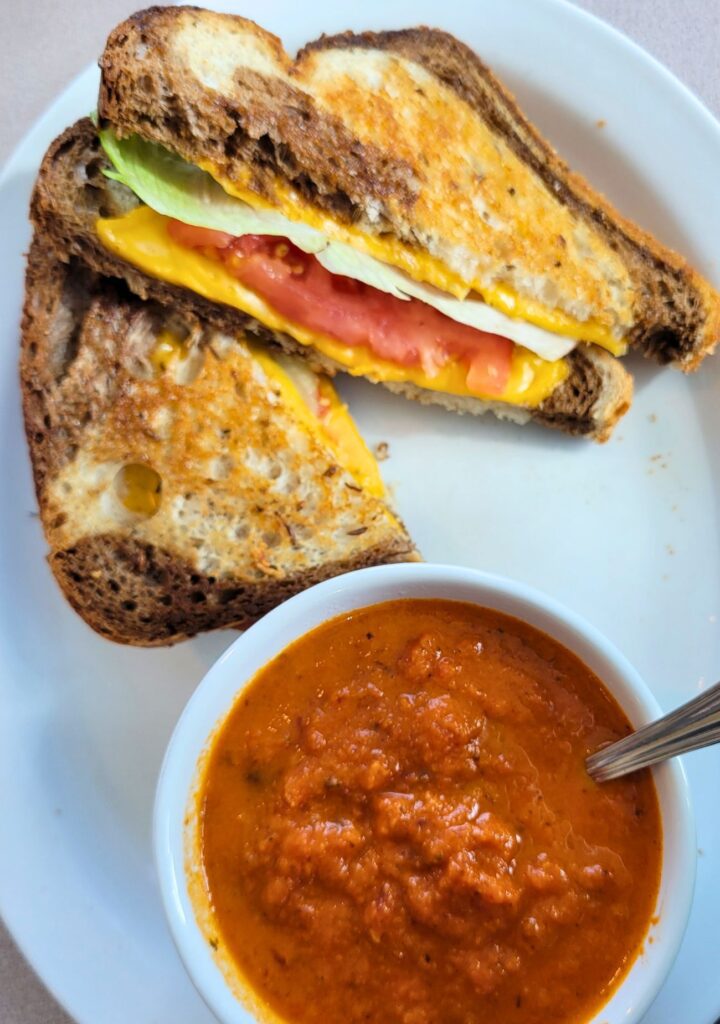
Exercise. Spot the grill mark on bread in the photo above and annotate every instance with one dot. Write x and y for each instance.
(267, 156)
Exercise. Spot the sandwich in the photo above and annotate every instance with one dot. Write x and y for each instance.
(379, 205)
(187, 479)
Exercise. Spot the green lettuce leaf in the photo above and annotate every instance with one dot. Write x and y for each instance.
(175, 188)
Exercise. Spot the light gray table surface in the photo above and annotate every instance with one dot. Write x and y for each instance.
(44, 43)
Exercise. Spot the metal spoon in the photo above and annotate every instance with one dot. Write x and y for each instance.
(694, 725)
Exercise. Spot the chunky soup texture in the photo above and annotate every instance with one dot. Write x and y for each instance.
(397, 826)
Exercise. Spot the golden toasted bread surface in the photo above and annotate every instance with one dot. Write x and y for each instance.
(177, 492)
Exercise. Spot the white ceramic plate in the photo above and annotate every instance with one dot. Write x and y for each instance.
(626, 534)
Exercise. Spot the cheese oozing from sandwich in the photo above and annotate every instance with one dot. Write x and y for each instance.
(317, 404)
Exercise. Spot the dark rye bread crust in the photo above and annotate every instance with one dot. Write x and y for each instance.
(127, 590)
(138, 594)
(276, 127)
(71, 192)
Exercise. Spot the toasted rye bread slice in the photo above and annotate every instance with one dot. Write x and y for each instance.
(407, 134)
(71, 192)
(253, 505)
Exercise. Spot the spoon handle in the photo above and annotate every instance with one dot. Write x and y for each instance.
(691, 726)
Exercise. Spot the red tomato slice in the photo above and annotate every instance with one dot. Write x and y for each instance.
(198, 238)
(409, 333)
(490, 369)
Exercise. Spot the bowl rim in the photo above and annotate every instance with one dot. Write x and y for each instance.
(218, 689)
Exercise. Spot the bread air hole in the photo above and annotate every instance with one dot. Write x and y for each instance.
(221, 467)
(139, 489)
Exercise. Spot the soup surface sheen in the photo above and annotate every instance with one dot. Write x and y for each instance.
(397, 826)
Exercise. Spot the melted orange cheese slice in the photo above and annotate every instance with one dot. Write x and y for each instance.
(328, 417)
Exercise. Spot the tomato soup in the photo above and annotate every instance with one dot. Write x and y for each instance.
(396, 826)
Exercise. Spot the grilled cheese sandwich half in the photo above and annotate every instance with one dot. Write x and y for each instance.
(177, 432)
(403, 148)
(532, 363)
(524, 371)
(257, 277)
(187, 479)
